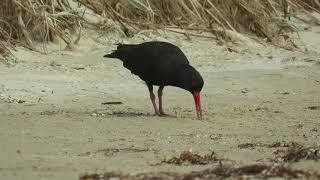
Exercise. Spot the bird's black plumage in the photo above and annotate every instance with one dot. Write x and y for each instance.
(159, 63)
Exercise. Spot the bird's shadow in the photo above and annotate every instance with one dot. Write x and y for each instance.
(134, 114)
(129, 114)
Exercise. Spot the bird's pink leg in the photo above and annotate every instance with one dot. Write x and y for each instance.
(162, 113)
(153, 100)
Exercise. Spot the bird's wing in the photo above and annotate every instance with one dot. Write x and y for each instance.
(158, 62)
(162, 53)
(152, 61)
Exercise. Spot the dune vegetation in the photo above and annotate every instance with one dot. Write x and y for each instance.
(24, 22)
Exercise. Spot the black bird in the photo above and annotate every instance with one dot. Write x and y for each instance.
(161, 64)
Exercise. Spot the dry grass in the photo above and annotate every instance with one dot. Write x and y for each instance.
(24, 22)
(264, 18)
(4, 51)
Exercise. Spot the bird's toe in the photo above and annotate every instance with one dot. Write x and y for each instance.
(163, 114)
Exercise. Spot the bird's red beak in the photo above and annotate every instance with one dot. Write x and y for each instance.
(197, 102)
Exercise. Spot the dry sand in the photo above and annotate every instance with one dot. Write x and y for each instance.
(60, 129)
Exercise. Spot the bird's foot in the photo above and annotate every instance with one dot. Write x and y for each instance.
(156, 113)
(163, 114)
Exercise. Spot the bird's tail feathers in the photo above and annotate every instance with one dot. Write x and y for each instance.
(112, 55)
(122, 51)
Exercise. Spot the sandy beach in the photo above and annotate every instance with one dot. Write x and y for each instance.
(55, 123)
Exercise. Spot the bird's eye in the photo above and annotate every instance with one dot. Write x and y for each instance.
(193, 83)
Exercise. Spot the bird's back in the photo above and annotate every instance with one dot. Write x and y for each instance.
(154, 62)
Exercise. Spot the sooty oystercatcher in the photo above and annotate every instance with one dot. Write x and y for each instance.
(161, 64)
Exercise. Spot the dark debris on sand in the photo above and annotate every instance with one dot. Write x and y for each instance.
(187, 157)
(268, 171)
(113, 151)
(297, 154)
(288, 152)
(272, 145)
(256, 171)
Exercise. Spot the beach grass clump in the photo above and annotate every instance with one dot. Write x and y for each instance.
(263, 18)
(25, 22)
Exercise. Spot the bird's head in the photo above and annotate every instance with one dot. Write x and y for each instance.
(191, 80)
